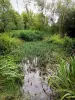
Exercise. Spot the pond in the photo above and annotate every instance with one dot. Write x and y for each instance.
(35, 86)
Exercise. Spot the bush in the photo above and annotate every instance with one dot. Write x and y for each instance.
(27, 35)
(69, 45)
(8, 68)
(63, 81)
(7, 44)
(10, 72)
(10, 77)
(56, 39)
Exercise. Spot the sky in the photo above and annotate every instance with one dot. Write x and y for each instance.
(20, 7)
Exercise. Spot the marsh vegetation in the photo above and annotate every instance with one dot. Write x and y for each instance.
(37, 53)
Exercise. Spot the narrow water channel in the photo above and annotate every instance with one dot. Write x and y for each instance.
(35, 86)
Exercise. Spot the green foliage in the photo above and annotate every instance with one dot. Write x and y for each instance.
(27, 35)
(13, 47)
(10, 72)
(69, 23)
(40, 49)
(56, 39)
(7, 44)
(9, 19)
(53, 29)
(69, 45)
(35, 21)
(17, 20)
(5, 7)
(8, 69)
(25, 19)
(63, 8)
(63, 81)
(10, 78)
(40, 22)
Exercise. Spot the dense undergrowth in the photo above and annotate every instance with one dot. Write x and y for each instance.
(8, 44)
(63, 81)
(10, 79)
(67, 43)
(10, 72)
(16, 45)
(28, 35)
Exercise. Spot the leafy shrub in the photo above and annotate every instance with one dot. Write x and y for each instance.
(56, 39)
(69, 45)
(27, 35)
(8, 69)
(7, 43)
(63, 81)
(10, 77)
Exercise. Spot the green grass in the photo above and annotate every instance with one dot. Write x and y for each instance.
(63, 81)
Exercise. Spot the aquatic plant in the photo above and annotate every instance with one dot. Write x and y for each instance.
(63, 82)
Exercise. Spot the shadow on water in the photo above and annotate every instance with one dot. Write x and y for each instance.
(35, 86)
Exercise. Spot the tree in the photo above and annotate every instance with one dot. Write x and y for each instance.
(27, 4)
(69, 23)
(41, 4)
(40, 22)
(35, 21)
(17, 20)
(5, 7)
(9, 19)
(63, 7)
(25, 19)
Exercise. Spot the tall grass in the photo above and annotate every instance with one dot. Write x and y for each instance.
(63, 82)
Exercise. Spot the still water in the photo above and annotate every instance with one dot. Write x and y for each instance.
(35, 86)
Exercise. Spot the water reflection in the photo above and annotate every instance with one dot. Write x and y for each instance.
(35, 85)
